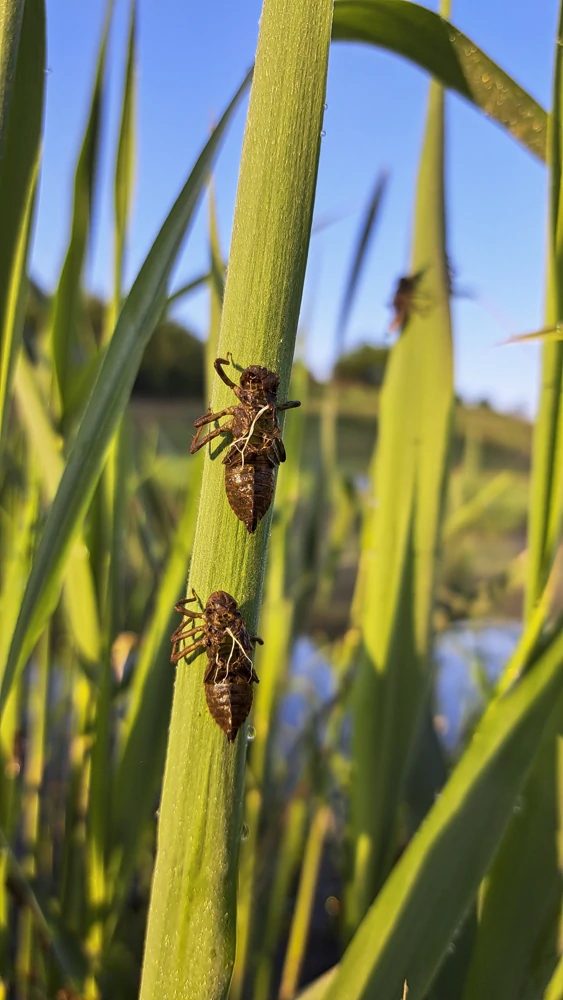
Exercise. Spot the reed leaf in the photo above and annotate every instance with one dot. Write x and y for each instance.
(46, 446)
(21, 114)
(516, 948)
(190, 938)
(401, 538)
(409, 927)
(435, 45)
(106, 405)
(68, 298)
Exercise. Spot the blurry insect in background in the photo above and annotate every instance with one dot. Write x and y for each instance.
(257, 448)
(404, 302)
(230, 674)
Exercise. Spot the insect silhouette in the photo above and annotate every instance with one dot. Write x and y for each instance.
(257, 447)
(230, 674)
(404, 301)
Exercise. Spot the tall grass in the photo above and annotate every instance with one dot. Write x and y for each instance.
(100, 528)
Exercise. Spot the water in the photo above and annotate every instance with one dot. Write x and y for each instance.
(467, 656)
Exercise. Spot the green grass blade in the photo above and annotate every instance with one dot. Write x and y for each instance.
(547, 471)
(401, 538)
(516, 948)
(190, 938)
(79, 595)
(365, 237)
(124, 173)
(20, 142)
(469, 513)
(141, 311)
(517, 942)
(11, 16)
(68, 297)
(34, 765)
(216, 293)
(148, 713)
(438, 47)
(314, 846)
(554, 990)
(192, 286)
(407, 930)
(294, 827)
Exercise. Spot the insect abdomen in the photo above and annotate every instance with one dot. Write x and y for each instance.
(250, 490)
(229, 703)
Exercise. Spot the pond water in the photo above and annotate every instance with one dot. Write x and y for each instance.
(467, 657)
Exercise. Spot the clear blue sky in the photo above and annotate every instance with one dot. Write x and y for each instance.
(192, 57)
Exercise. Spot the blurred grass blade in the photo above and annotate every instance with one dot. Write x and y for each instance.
(124, 174)
(409, 927)
(365, 237)
(216, 293)
(79, 594)
(319, 989)
(148, 712)
(192, 286)
(547, 469)
(141, 311)
(287, 862)
(68, 297)
(21, 113)
(69, 962)
(554, 990)
(548, 333)
(299, 933)
(470, 512)
(516, 948)
(396, 581)
(450, 57)
(11, 16)
(518, 938)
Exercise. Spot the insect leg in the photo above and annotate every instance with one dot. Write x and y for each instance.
(218, 363)
(181, 607)
(290, 405)
(179, 654)
(179, 634)
(196, 445)
(256, 638)
(208, 418)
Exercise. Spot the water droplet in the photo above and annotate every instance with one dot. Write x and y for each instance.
(323, 133)
(518, 806)
(251, 734)
(325, 106)
(332, 906)
(157, 814)
(451, 948)
(244, 832)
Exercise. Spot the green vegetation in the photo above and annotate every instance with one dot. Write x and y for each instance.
(141, 854)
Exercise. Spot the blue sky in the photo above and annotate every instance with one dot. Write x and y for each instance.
(191, 59)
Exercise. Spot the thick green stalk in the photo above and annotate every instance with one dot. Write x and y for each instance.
(272, 663)
(191, 930)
